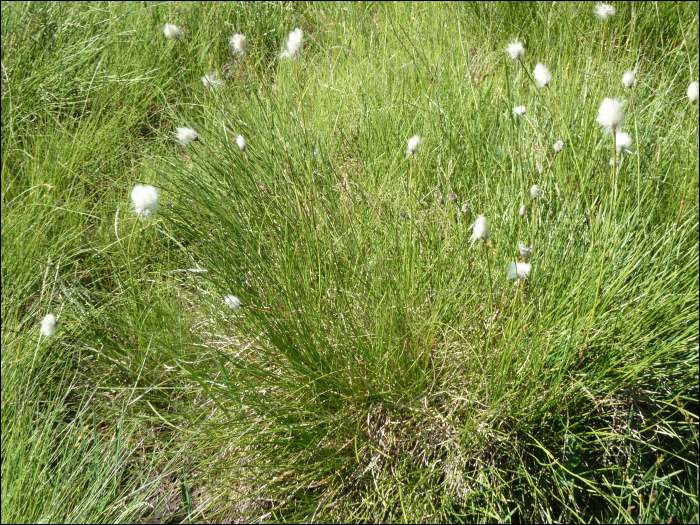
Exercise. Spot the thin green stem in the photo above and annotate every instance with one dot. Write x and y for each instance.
(602, 45)
(636, 141)
(528, 75)
(614, 167)
(687, 164)
(534, 222)
(301, 105)
(129, 259)
(250, 61)
(488, 264)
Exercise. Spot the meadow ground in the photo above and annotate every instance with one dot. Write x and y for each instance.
(377, 364)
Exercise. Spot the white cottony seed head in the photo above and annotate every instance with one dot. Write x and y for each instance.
(520, 110)
(604, 11)
(693, 92)
(210, 81)
(518, 270)
(452, 197)
(294, 43)
(558, 146)
(628, 78)
(48, 325)
(186, 135)
(145, 199)
(622, 141)
(535, 191)
(233, 302)
(238, 44)
(241, 142)
(523, 211)
(465, 208)
(525, 251)
(542, 75)
(413, 145)
(515, 50)
(172, 32)
(610, 114)
(482, 231)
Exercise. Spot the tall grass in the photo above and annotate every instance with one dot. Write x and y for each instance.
(381, 367)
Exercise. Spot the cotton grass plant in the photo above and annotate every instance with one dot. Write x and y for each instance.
(186, 135)
(172, 32)
(611, 117)
(48, 325)
(370, 374)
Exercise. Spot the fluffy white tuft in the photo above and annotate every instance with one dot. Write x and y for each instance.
(693, 92)
(520, 110)
(172, 32)
(523, 211)
(519, 270)
(294, 43)
(558, 146)
(241, 142)
(465, 208)
(628, 78)
(145, 199)
(515, 50)
(238, 44)
(186, 135)
(535, 191)
(452, 196)
(610, 114)
(542, 75)
(233, 302)
(210, 81)
(622, 141)
(482, 230)
(604, 11)
(525, 251)
(48, 325)
(413, 145)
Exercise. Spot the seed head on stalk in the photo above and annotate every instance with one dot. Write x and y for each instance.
(516, 50)
(172, 32)
(294, 43)
(542, 75)
(238, 44)
(48, 325)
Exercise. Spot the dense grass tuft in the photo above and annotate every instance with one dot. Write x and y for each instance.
(381, 367)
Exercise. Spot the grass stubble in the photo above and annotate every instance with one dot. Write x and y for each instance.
(370, 372)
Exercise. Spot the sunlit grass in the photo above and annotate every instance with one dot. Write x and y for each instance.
(381, 365)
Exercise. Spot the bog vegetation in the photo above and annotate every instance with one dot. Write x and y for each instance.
(349, 262)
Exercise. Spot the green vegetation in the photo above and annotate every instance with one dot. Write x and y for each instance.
(381, 367)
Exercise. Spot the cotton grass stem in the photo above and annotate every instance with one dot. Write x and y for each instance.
(130, 259)
(301, 105)
(488, 265)
(602, 45)
(533, 218)
(528, 75)
(614, 166)
(636, 139)
(691, 129)
(250, 61)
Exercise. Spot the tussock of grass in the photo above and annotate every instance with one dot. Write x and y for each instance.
(381, 367)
